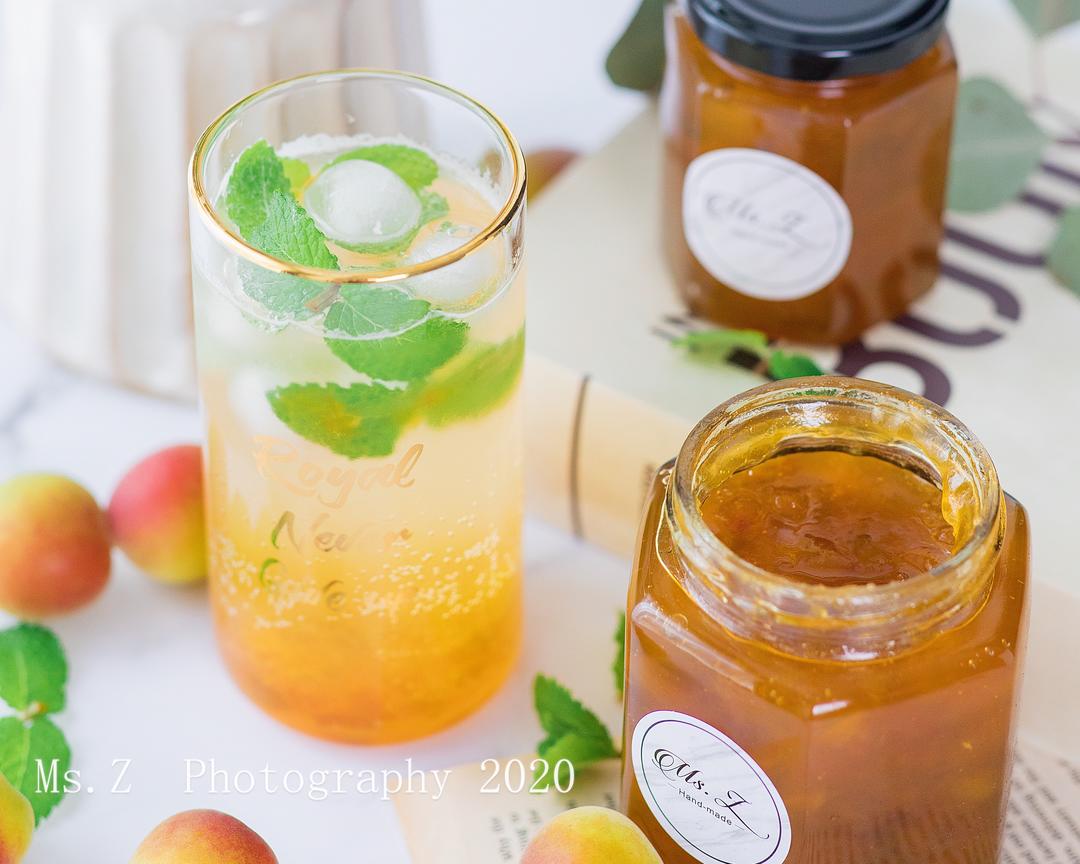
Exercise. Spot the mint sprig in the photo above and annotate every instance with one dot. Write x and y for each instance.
(480, 383)
(397, 341)
(425, 341)
(366, 420)
(717, 346)
(255, 177)
(24, 746)
(574, 733)
(33, 671)
(298, 172)
(33, 679)
(289, 233)
(362, 420)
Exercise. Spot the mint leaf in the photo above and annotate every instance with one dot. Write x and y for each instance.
(23, 747)
(618, 668)
(286, 297)
(365, 309)
(573, 731)
(716, 345)
(290, 234)
(996, 146)
(637, 60)
(259, 199)
(481, 382)
(1064, 258)
(298, 173)
(425, 342)
(255, 177)
(411, 164)
(363, 420)
(33, 669)
(783, 365)
(575, 749)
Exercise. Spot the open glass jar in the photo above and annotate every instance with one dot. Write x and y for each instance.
(774, 717)
(806, 157)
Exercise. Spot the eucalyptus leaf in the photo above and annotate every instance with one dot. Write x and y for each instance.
(1064, 259)
(1045, 16)
(637, 60)
(996, 147)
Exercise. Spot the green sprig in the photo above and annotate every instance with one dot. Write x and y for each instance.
(33, 681)
(717, 346)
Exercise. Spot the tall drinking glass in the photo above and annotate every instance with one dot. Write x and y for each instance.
(359, 314)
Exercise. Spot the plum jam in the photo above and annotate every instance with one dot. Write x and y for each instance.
(825, 633)
(806, 152)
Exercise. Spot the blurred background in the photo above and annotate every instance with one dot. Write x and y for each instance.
(102, 100)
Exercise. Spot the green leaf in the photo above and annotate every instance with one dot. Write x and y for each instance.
(290, 234)
(1045, 16)
(996, 147)
(411, 164)
(362, 310)
(286, 297)
(479, 384)
(561, 714)
(33, 669)
(25, 745)
(254, 179)
(1064, 259)
(716, 345)
(578, 751)
(637, 59)
(573, 731)
(425, 342)
(298, 173)
(783, 365)
(363, 420)
(618, 668)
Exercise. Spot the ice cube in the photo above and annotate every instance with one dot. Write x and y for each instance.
(361, 203)
(457, 284)
(247, 397)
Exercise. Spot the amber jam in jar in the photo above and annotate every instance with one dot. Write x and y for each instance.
(825, 631)
(806, 156)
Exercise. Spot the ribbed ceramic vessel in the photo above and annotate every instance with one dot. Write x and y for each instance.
(100, 104)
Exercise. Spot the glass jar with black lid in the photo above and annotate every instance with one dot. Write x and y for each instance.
(806, 159)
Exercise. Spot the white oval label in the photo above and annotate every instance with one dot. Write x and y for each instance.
(707, 793)
(764, 225)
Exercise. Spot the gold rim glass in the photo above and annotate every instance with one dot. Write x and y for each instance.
(343, 102)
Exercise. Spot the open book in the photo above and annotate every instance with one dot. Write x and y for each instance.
(997, 341)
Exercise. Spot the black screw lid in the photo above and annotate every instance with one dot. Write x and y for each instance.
(815, 40)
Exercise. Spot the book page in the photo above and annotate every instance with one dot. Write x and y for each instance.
(485, 816)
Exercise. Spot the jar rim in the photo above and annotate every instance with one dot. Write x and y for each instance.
(936, 592)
